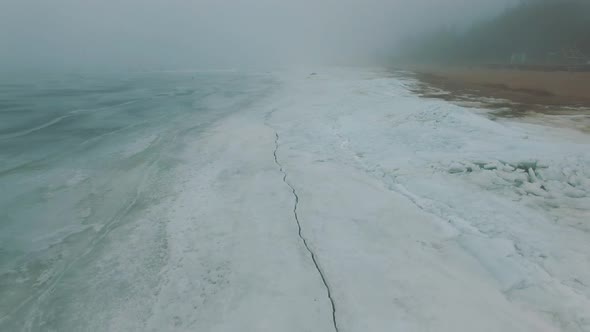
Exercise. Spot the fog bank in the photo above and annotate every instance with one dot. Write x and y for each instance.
(175, 34)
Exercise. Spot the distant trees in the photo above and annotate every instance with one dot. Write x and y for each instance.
(545, 31)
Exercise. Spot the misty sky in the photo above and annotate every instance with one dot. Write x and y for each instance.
(151, 34)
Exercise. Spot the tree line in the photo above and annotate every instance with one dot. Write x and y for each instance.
(535, 31)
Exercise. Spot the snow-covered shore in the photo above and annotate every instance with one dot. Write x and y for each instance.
(332, 202)
(420, 216)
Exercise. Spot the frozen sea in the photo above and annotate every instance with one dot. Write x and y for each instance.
(284, 201)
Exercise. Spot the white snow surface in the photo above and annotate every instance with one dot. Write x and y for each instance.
(421, 215)
(343, 202)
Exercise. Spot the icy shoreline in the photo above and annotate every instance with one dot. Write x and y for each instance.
(344, 202)
(420, 214)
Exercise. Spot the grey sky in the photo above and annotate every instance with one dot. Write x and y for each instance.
(209, 33)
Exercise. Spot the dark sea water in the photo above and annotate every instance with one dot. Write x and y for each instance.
(82, 159)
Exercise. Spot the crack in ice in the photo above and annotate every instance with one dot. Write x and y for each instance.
(313, 256)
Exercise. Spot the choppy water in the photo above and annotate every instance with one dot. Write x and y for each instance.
(82, 161)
